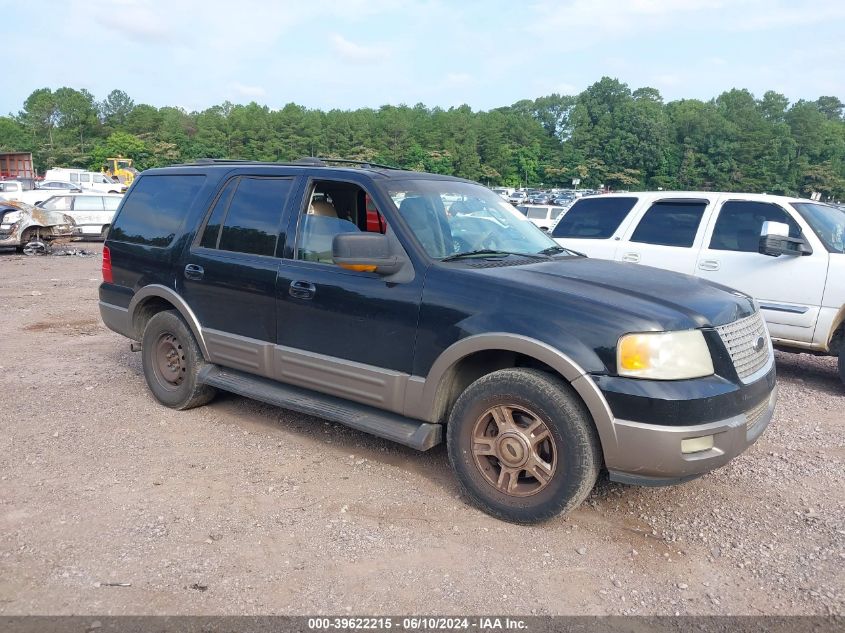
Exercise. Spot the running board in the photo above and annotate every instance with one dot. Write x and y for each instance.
(391, 426)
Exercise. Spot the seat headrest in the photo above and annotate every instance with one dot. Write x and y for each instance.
(322, 208)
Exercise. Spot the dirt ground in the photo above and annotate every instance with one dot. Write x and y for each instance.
(242, 508)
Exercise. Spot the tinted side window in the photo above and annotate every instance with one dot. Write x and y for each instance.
(252, 221)
(670, 223)
(211, 233)
(594, 218)
(155, 208)
(740, 222)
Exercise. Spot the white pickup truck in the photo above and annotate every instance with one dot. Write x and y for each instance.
(788, 253)
(15, 190)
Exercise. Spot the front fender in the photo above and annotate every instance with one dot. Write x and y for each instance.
(423, 395)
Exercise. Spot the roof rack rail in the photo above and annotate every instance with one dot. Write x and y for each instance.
(347, 161)
(312, 161)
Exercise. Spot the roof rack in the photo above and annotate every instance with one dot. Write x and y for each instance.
(347, 161)
(310, 161)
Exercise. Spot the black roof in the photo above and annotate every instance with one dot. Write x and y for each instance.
(310, 163)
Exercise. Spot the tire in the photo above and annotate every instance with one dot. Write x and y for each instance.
(842, 363)
(172, 361)
(564, 449)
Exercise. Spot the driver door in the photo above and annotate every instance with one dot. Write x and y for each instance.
(343, 332)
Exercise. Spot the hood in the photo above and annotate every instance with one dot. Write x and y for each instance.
(652, 298)
(38, 216)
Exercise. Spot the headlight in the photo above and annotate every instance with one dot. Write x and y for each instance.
(664, 355)
(12, 217)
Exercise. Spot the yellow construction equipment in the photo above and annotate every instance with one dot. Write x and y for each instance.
(120, 168)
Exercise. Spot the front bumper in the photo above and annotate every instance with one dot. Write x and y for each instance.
(645, 453)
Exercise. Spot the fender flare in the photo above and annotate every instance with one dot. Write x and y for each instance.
(428, 390)
(173, 297)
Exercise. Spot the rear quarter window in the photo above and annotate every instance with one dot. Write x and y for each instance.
(154, 209)
(594, 218)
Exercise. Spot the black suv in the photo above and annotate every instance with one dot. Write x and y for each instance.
(416, 307)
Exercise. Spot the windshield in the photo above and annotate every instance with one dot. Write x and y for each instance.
(451, 217)
(827, 222)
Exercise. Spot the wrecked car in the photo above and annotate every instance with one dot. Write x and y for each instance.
(22, 224)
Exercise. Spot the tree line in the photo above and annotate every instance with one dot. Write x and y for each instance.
(608, 135)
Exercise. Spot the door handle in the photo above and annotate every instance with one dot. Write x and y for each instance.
(192, 271)
(302, 290)
(709, 264)
(631, 257)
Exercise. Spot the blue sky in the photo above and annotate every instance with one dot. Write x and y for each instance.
(365, 53)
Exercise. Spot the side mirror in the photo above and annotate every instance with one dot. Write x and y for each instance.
(365, 252)
(775, 241)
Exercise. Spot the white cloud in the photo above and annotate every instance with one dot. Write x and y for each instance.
(358, 53)
(244, 90)
(139, 22)
(458, 79)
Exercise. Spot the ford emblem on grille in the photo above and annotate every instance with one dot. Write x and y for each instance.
(759, 344)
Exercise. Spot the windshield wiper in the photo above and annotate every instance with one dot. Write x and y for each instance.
(553, 250)
(486, 251)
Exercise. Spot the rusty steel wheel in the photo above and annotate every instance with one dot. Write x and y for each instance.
(514, 451)
(172, 362)
(523, 445)
(170, 367)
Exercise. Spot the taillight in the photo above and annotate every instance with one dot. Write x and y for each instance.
(107, 276)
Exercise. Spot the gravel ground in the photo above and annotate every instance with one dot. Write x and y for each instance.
(242, 508)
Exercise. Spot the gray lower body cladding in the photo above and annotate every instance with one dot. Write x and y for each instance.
(419, 435)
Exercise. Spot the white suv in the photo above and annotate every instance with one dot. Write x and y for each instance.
(788, 253)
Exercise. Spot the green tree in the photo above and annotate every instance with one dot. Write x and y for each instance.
(115, 108)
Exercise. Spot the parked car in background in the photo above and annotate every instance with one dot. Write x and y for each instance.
(544, 216)
(788, 253)
(540, 197)
(503, 192)
(22, 223)
(93, 213)
(518, 197)
(92, 180)
(11, 189)
(59, 186)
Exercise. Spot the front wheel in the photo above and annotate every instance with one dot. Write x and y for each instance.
(172, 360)
(523, 445)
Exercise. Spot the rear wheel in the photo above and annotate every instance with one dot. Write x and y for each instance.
(172, 361)
(842, 363)
(523, 445)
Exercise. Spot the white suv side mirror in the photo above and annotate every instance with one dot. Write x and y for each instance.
(775, 241)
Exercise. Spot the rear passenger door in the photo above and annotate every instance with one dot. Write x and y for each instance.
(666, 234)
(788, 288)
(228, 275)
(90, 214)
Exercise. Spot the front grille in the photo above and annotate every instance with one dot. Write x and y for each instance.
(753, 416)
(741, 338)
